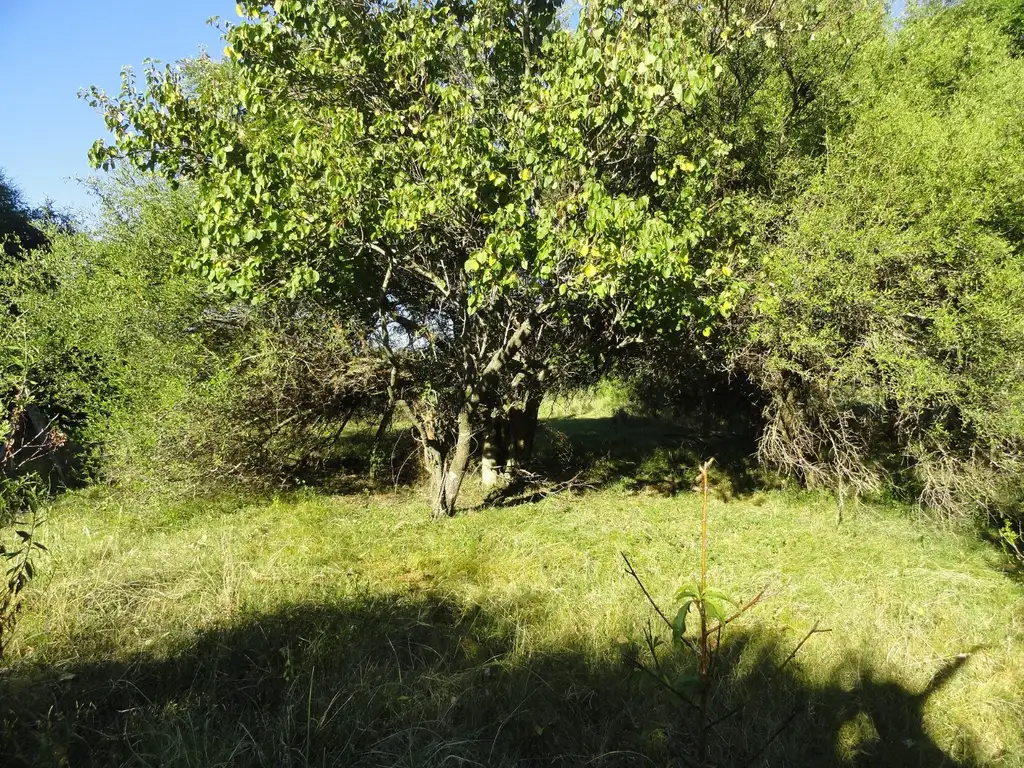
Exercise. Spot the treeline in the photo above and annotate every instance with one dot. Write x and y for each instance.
(438, 215)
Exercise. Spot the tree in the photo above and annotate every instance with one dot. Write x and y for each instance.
(884, 322)
(17, 231)
(94, 326)
(485, 188)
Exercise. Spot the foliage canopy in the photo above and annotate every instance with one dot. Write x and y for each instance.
(478, 183)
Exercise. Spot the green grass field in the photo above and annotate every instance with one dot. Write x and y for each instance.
(310, 629)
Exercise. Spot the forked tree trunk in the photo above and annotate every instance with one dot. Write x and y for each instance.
(448, 468)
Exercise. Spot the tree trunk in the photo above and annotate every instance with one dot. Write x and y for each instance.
(529, 436)
(460, 459)
(448, 468)
(492, 461)
(384, 425)
(522, 421)
(435, 459)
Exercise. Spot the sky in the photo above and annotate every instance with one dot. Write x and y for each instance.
(50, 49)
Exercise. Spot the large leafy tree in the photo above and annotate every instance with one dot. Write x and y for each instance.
(484, 187)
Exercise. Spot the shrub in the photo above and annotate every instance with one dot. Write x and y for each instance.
(101, 325)
(886, 319)
(287, 380)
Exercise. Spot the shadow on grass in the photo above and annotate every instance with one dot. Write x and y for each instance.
(418, 680)
(1010, 559)
(356, 462)
(649, 454)
(641, 453)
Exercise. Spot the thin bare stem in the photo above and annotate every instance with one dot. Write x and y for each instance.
(666, 686)
(785, 723)
(813, 631)
(742, 610)
(636, 577)
(704, 656)
(704, 526)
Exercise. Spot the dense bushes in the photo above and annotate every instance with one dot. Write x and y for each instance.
(18, 230)
(875, 200)
(885, 320)
(25, 436)
(152, 377)
(287, 379)
(96, 325)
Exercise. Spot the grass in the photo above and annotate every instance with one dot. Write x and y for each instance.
(310, 629)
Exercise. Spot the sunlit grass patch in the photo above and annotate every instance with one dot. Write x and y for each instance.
(306, 628)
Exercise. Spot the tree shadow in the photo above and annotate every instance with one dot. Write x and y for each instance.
(354, 462)
(1010, 560)
(650, 454)
(360, 462)
(642, 453)
(421, 680)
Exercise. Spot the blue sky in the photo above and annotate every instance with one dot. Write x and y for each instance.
(49, 49)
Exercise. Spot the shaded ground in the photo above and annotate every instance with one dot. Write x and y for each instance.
(606, 447)
(642, 453)
(419, 680)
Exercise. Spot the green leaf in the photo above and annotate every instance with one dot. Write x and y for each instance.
(688, 591)
(713, 608)
(718, 594)
(679, 622)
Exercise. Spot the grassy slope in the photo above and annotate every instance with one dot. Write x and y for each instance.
(318, 630)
